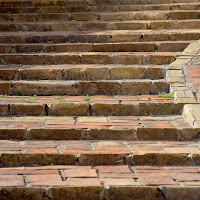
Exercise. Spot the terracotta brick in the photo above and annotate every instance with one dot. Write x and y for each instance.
(130, 88)
(113, 169)
(95, 59)
(20, 192)
(17, 134)
(30, 59)
(120, 182)
(114, 109)
(74, 192)
(102, 159)
(112, 134)
(40, 74)
(11, 160)
(90, 74)
(4, 110)
(8, 74)
(5, 87)
(11, 180)
(44, 88)
(66, 59)
(116, 192)
(57, 134)
(181, 192)
(183, 177)
(98, 88)
(70, 109)
(31, 109)
(157, 181)
(91, 173)
(127, 59)
(157, 134)
(161, 159)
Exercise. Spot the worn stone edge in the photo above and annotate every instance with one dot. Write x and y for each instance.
(179, 86)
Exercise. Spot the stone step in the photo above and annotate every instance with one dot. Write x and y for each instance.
(95, 128)
(103, 87)
(97, 105)
(90, 72)
(100, 25)
(100, 182)
(160, 46)
(111, 36)
(93, 153)
(89, 16)
(126, 58)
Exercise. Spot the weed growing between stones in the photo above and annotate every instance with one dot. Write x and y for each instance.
(87, 98)
(31, 99)
(60, 99)
(166, 95)
(3, 97)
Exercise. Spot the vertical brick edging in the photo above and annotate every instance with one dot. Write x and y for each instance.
(177, 79)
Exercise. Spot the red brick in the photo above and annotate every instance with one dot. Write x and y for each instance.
(182, 177)
(113, 169)
(87, 173)
(157, 181)
(42, 151)
(83, 182)
(11, 180)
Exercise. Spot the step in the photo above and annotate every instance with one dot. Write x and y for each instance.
(111, 36)
(94, 16)
(98, 8)
(87, 153)
(128, 128)
(97, 105)
(92, 183)
(74, 87)
(175, 6)
(100, 25)
(160, 46)
(91, 3)
(127, 58)
(90, 72)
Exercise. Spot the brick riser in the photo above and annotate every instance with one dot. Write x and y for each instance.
(134, 15)
(99, 25)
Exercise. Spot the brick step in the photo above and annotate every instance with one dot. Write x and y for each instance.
(90, 72)
(100, 25)
(93, 153)
(22, 3)
(175, 6)
(94, 16)
(98, 8)
(95, 128)
(88, 105)
(111, 36)
(160, 46)
(103, 87)
(126, 58)
(100, 182)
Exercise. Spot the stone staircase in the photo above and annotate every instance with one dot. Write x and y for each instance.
(99, 99)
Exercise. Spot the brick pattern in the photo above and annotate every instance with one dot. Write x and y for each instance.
(163, 153)
(98, 105)
(91, 127)
(99, 182)
(112, 137)
(123, 175)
